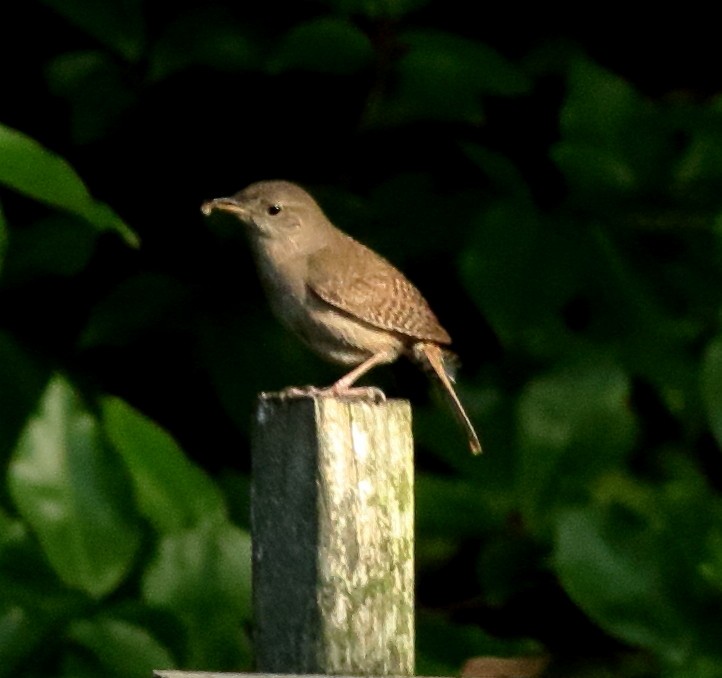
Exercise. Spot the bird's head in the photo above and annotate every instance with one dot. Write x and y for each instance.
(276, 210)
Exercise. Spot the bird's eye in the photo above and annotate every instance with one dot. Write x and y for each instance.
(273, 210)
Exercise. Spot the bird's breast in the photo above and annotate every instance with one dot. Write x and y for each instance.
(332, 333)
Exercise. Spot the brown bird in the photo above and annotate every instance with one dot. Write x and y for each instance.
(343, 300)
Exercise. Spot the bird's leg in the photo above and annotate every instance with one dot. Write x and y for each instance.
(344, 386)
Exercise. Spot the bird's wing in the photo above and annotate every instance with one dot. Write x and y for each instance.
(363, 284)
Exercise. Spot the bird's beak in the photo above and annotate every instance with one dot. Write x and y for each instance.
(225, 205)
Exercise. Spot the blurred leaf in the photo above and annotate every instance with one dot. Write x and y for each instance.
(414, 209)
(236, 488)
(67, 485)
(711, 386)
(672, 527)
(711, 567)
(118, 25)
(453, 507)
(629, 315)
(238, 374)
(591, 168)
(203, 36)
(599, 106)
(22, 379)
(508, 567)
(3, 238)
(79, 663)
(21, 636)
(34, 171)
(204, 576)
(699, 667)
(611, 569)
(200, 568)
(442, 76)
(171, 492)
(612, 139)
(58, 245)
(138, 305)
(574, 423)
(325, 45)
(445, 646)
(521, 270)
(499, 169)
(468, 61)
(701, 160)
(121, 648)
(95, 89)
(31, 169)
(377, 9)
(26, 579)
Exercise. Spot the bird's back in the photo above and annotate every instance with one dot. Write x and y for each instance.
(360, 282)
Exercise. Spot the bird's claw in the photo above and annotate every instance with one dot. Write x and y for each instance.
(372, 393)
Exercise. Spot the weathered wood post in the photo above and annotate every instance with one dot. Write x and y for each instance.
(332, 515)
(332, 526)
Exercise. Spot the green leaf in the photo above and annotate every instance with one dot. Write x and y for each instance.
(443, 77)
(171, 492)
(700, 163)
(22, 379)
(238, 376)
(198, 569)
(509, 565)
(118, 25)
(58, 245)
(452, 508)
(34, 171)
(70, 489)
(611, 567)
(121, 648)
(574, 424)
(325, 45)
(3, 238)
(428, 212)
(203, 36)
(593, 169)
(95, 88)
(521, 270)
(137, 305)
(499, 169)
(599, 107)
(236, 488)
(612, 139)
(21, 637)
(711, 386)
(203, 575)
(377, 9)
(443, 646)
(711, 568)
(26, 578)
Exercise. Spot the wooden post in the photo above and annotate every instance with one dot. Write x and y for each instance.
(332, 526)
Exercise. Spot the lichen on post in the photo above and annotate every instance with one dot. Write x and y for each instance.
(332, 520)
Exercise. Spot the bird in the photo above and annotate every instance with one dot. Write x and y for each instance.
(343, 300)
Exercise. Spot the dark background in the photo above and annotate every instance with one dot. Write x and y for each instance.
(551, 187)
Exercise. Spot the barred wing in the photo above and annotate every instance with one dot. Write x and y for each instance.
(356, 280)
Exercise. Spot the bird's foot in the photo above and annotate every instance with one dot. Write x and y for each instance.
(335, 391)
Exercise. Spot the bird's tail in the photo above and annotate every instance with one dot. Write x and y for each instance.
(444, 364)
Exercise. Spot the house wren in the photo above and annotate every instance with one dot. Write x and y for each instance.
(345, 301)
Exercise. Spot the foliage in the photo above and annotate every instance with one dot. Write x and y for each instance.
(563, 220)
